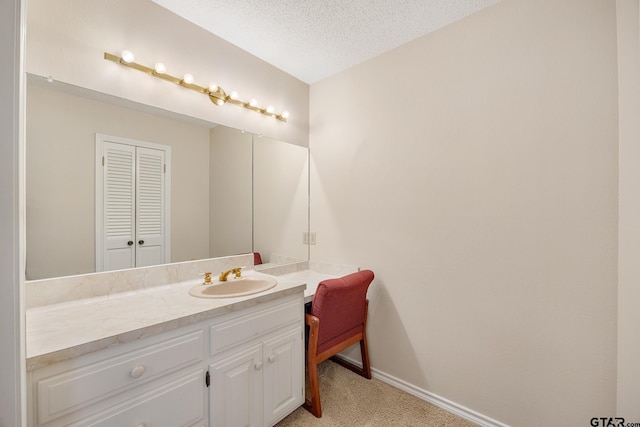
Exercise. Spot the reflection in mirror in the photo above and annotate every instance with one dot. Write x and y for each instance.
(230, 205)
(280, 200)
(212, 194)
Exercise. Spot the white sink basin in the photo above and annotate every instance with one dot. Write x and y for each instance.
(234, 287)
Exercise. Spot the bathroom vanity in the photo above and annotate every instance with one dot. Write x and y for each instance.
(240, 368)
(134, 348)
(158, 356)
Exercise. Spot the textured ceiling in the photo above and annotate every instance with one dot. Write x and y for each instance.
(313, 39)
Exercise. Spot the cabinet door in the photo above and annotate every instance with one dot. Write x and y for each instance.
(283, 375)
(235, 396)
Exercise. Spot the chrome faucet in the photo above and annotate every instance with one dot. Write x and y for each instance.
(235, 271)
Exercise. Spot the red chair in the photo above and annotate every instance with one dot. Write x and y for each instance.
(257, 259)
(338, 319)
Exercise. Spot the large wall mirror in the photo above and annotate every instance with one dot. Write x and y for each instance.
(230, 192)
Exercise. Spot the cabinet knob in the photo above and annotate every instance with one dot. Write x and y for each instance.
(272, 358)
(258, 366)
(137, 371)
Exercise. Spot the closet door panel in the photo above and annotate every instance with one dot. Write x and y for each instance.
(150, 202)
(119, 206)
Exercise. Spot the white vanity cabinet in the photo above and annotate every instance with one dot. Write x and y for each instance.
(242, 368)
(257, 366)
(149, 382)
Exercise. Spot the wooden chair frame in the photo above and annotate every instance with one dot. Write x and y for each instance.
(313, 359)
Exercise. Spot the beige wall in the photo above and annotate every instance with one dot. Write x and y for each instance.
(67, 39)
(61, 131)
(230, 205)
(281, 201)
(12, 362)
(475, 171)
(629, 205)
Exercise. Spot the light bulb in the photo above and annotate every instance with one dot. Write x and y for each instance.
(253, 102)
(285, 114)
(270, 109)
(213, 87)
(160, 68)
(127, 56)
(233, 95)
(188, 78)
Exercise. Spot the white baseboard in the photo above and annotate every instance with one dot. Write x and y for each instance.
(432, 398)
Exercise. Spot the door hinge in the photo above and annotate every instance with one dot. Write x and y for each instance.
(102, 160)
(165, 168)
(207, 379)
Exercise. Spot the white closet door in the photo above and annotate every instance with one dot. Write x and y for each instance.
(150, 207)
(132, 203)
(119, 206)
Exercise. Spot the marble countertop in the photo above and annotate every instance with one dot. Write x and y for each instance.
(66, 330)
(308, 277)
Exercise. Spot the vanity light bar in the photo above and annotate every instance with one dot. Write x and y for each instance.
(216, 94)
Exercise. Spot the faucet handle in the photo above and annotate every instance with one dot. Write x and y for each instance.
(236, 271)
(207, 278)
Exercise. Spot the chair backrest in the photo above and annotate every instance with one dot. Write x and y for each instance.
(257, 259)
(340, 304)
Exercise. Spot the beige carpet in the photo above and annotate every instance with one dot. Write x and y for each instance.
(351, 400)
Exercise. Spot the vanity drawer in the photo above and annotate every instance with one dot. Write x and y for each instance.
(241, 328)
(76, 388)
(177, 403)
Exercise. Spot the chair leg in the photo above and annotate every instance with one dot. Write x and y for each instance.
(364, 353)
(365, 371)
(313, 404)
